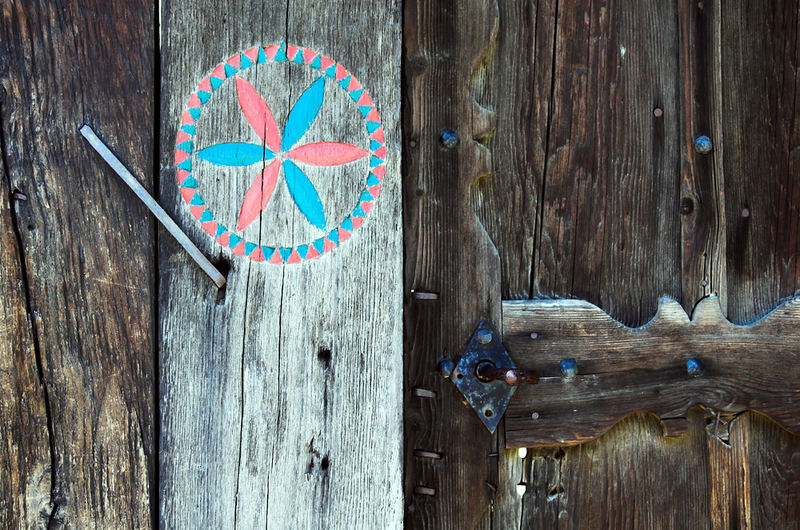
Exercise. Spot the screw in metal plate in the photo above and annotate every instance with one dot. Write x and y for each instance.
(484, 337)
(694, 367)
(703, 145)
(448, 138)
(569, 368)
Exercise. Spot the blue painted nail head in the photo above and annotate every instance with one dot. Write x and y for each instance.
(449, 138)
(446, 367)
(703, 145)
(694, 367)
(569, 368)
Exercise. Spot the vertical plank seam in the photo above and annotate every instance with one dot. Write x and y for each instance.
(278, 403)
(540, 206)
(24, 276)
(718, 278)
(155, 503)
(242, 397)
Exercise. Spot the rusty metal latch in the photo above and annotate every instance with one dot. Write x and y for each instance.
(486, 376)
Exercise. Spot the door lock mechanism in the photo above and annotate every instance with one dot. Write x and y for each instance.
(486, 376)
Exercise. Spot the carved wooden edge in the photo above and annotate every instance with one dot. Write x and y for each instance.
(666, 366)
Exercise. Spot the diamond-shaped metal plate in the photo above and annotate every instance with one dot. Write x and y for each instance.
(488, 400)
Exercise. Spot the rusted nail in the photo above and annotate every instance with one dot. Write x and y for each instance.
(448, 138)
(446, 367)
(491, 486)
(703, 145)
(424, 393)
(421, 453)
(694, 367)
(423, 295)
(424, 490)
(658, 112)
(19, 196)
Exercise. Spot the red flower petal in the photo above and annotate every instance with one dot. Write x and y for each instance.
(258, 114)
(258, 195)
(326, 153)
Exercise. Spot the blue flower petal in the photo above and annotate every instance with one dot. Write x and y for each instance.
(304, 194)
(303, 114)
(235, 154)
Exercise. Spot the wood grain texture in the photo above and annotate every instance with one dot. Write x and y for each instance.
(281, 396)
(630, 478)
(85, 259)
(758, 137)
(609, 195)
(624, 370)
(447, 252)
(516, 81)
(25, 466)
(702, 201)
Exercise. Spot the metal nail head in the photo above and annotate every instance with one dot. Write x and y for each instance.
(703, 145)
(569, 368)
(448, 138)
(446, 367)
(694, 367)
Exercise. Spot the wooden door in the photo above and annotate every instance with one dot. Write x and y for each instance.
(505, 150)
(576, 175)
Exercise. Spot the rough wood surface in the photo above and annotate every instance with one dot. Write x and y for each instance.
(25, 466)
(759, 136)
(516, 81)
(623, 370)
(281, 395)
(704, 67)
(449, 254)
(84, 266)
(609, 196)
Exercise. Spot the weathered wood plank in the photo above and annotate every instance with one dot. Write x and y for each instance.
(448, 253)
(87, 253)
(610, 188)
(613, 482)
(702, 202)
(25, 465)
(516, 81)
(609, 232)
(758, 134)
(623, 370)
(281, 396)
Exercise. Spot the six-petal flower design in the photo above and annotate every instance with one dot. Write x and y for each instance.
(281, 151)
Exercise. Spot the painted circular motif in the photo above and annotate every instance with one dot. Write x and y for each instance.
(281, 154)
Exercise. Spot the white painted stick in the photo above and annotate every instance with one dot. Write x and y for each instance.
(153, 206)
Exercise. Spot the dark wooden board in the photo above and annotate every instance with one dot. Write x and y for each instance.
(86, 257)
(25, 465)
(447, 254)
(758, 137)
(623, 370)
(516, 81)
